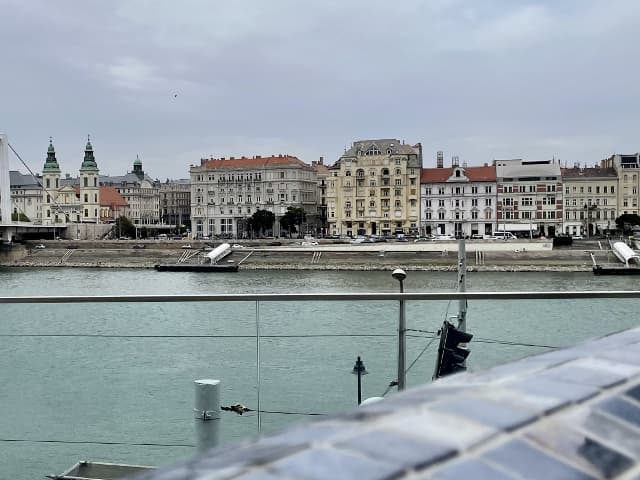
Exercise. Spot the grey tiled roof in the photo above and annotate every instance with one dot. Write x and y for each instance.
(568, 414)
(18, 179)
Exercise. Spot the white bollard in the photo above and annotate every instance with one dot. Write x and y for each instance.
(207, 413)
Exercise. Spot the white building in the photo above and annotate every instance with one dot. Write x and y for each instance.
(26, 195)
(459, 200)
(226, 192)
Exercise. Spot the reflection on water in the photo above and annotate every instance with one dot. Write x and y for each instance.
(102, 387)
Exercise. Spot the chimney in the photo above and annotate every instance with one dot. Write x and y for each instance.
(455, 161)
(202, 160)
(464, 164)
(486, 164)
(419, 145)
(440, 159)
(321, 161)
(222, 158)
(232, 158)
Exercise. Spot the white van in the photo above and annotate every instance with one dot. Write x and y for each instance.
(503, 236)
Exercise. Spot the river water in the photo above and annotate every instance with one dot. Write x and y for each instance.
(107, 373)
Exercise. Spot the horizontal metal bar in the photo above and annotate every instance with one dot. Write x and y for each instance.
(322, 297)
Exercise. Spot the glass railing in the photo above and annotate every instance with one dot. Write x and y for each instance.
(111, 377)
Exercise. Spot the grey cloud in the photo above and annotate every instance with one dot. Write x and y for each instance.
(480, 80)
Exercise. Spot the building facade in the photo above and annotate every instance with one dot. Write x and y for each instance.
(322, 175)
(529, 197)
(627, 168)
(26, 195)
(141, 193)
(175, 202)
(590, 200)
(459, 201)
(374, 189)
(61, 201)
(226, 192)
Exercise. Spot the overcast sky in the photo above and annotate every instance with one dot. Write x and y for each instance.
(174, 81)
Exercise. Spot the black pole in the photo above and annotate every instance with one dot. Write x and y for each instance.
(359, 370)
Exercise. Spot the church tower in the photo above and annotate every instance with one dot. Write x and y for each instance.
(89, 187)
(137, 168)
(51, 184)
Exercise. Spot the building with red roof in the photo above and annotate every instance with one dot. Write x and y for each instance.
(225, 192)
(459, 200)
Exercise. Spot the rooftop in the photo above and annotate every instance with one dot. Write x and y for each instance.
(474, 174)
(253, 162)
(567, 414)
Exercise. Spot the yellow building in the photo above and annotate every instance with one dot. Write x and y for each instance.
(374, 189)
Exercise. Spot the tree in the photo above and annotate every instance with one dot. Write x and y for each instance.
(19, 217)
(123, 228)
(292, 220)
(261, 221)
(627, 220)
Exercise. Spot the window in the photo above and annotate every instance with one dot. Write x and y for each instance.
(487, 189)
(86, 184)
(440, 190)
(48, 184)
(86, 198)
(487, 202)
(95, 181)
(347, 173)
(474, 190)
(427, 191)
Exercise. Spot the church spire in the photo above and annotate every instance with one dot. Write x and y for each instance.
(137, 168)
(89, 162)
(51, 163)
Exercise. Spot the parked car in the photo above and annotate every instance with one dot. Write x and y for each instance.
(237, 245)
(444, 237)
(187, 246)
(40, 246)
(577, 237)
(428, 238)
(477, 236)
(138, 246)
(359, 239)
(309, 244)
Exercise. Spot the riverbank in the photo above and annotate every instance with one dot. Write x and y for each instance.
(520, 256)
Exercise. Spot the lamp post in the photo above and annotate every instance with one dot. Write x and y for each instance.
(359, 370)
(400, 275)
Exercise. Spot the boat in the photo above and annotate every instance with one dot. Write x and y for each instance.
(196, 267)
(629, 258)
(214, 256)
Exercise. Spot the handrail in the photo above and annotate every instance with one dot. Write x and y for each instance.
(323, 297)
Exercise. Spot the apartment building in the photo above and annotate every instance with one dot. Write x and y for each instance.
(26, 195)
(627, 168)
(175, 202)
(374, 189)
(529, 196)
(226, 192)
(590, 200)
(458, 200)
(322, 175)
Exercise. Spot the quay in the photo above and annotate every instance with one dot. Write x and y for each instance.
(521, 255)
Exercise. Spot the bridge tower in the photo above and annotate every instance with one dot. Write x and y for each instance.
(5, 191)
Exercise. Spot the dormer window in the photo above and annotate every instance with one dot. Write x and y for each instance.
(373, 150)
(348, 173)
(457, 173)
(389, 151)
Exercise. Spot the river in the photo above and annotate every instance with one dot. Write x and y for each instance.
(114, 376)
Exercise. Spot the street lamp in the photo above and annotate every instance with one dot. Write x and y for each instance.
(400, 275)
(359, 370)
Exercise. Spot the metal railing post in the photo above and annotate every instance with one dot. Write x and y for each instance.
(258, 408)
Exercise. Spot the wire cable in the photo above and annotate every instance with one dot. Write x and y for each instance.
(95, 442)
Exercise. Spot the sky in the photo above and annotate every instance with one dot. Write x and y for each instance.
(176, 81)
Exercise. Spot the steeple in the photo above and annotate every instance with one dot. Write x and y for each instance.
(89, 162)
(51, 164)
(137, 168)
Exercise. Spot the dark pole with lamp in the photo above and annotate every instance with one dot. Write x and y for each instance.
(359, 370)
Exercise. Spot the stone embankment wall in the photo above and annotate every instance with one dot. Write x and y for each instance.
(122, 254)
